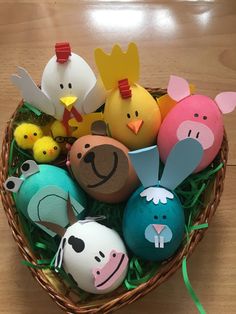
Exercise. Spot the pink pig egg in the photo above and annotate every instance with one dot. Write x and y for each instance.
(195, 116)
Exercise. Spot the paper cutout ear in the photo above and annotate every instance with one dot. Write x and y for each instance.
(118, 65)
(178, 88)
(13, 184)
(146, 165)
(226, 101)
(99, 128)
(183, 159)
(29, 167)
(50, 204)
(59, 255)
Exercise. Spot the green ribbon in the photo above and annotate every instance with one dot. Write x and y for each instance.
(33, 109)
(190, 289)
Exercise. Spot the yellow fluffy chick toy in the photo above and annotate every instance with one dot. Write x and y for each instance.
(26, 134)
(46, 150)
(131, 113)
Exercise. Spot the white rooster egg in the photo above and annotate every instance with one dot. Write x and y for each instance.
(72, 78)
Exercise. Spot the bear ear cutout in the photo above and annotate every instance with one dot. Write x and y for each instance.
(226, 101)
(178, 88)
(29, 167)
(146, 165)
(99, 128)
(183, 159)
(13, 184)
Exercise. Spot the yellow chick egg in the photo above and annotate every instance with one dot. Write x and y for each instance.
(46, 150)
(133, 121)
(26, 134)
(59, 134)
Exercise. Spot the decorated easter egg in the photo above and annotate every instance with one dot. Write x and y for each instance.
(94, 256)
(153, 231)
(133, 121)
(131, 113)
(42, 192)
(102, 167)
(153, 221)
(194, 116)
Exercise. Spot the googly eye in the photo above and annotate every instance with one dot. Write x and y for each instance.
(29, 167)
(13, 184)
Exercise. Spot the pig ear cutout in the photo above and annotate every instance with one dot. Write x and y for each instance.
(13, 184)
(183, 159)
(178, 88)
(29, 168)
(146, 165)
(226, 101)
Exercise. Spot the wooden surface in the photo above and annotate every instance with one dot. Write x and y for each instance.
(193, 39)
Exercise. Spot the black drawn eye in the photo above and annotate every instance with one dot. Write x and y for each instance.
(70, 85)
(164, 216)
(55, 147)
(44, 152)
(136, 113)
(35, 134)
(25, 136)
(128, 115)
(79, 155)
(204, 117)
(62, 86)
(155, 217)
(86, 145)
(196, 115)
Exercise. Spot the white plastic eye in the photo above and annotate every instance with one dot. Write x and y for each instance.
(29, 167)
(13, 184)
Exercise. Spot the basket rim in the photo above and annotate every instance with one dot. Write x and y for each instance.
(167, 269)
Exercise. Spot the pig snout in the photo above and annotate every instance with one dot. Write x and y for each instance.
(196, 130)
(107, 275)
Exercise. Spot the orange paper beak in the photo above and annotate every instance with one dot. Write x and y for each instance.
(135, 126)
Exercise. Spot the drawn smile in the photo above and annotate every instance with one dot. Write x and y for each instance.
(104, 178)
(113, 273)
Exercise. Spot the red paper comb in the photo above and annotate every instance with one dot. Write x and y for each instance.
(63, 52)
(124, 88)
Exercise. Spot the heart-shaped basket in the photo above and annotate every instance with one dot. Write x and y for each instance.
(61, 293)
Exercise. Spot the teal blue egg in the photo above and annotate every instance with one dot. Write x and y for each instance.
(152, 231)
(48, 178)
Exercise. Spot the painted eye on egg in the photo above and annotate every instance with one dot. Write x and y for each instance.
(70, 85)
(164, 216)
(196, 115)
(35, 134)
(62, 86)
(136, 113)
(155, 217)
(44, 152)
(25, 136)
(204, 117)
(128, 115)
(86, 145)
(79, 155)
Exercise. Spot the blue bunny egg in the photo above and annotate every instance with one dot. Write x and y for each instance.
(153, 223)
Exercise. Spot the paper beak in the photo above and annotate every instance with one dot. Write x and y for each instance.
(135, 126)
(68, 101)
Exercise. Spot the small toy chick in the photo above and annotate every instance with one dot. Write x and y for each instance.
(26, 134)
(131, 113)
(46, 150)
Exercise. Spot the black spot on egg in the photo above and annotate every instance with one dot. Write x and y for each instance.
(77, 244)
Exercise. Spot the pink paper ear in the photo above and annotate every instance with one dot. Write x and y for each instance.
(178, 88)
(226, 101)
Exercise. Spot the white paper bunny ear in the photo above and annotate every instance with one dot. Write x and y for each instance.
(59, 255)
(183, 159)
(226, 101)
(146, 165)
(178, 88)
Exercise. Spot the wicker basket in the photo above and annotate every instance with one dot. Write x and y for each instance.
(106, 303)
